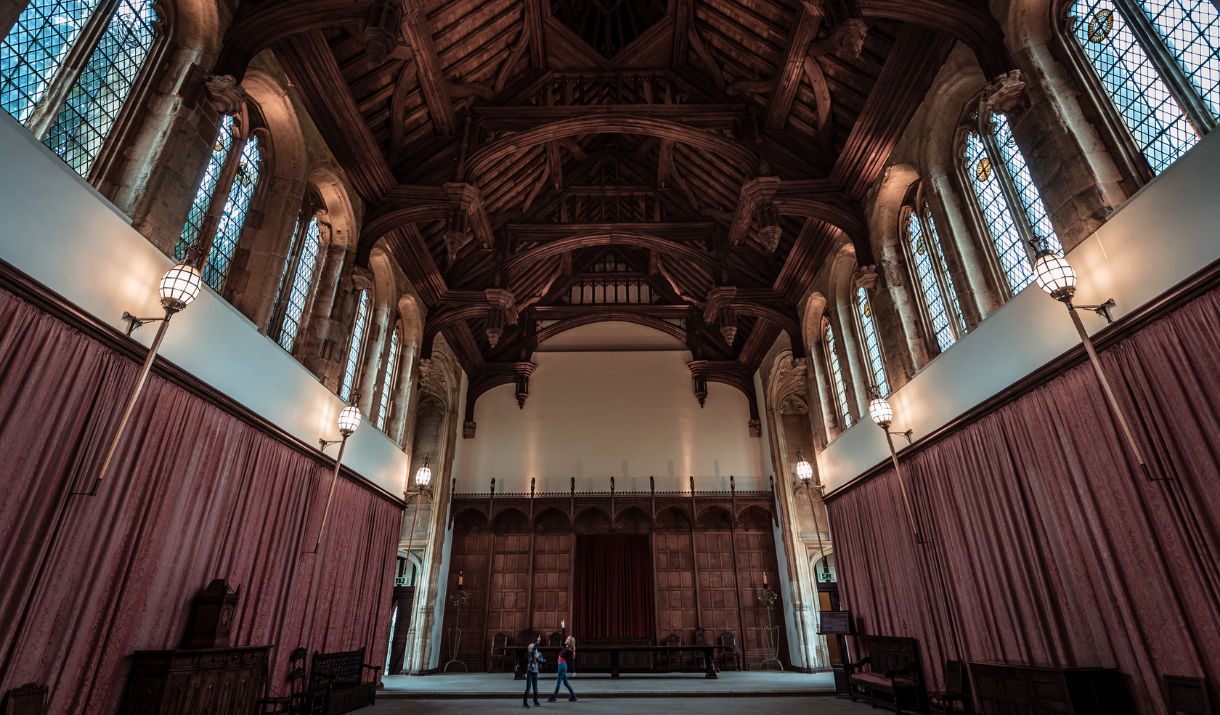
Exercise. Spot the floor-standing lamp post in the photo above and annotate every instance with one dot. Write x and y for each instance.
(422, 477)
(881, 412)
(1057, 277)
(349, 420)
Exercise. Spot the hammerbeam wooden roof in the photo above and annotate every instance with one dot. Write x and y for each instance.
(659, 131)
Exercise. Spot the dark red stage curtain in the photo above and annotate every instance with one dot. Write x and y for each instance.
(1046, 544)
(613, 583)
(194, 494)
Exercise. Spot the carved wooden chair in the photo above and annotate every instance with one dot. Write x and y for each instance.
(672, 639)
(956, 690)
(500, 651)
(301, 699)
(29, 699)
(731, 654)
(554, 640)
(524, 638)
(1188, 695)
(701, 639)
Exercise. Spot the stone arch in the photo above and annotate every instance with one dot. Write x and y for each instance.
(381, 325)
(632, 518)
(841, 312)
(895, 303)
(592, 519)
(197, 29)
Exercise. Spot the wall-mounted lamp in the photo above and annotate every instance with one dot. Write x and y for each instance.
(804, 470)
(1057, 277)
(179, 287)
(881, 412)
(349, 420)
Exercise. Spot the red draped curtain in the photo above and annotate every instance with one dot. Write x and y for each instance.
(1045, 544)
(613, 584)
(193, 494)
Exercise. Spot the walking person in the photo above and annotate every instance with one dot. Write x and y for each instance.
(566, 655)
(533, 663)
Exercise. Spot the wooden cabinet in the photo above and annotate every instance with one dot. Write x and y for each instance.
(1015, 689)
(209, 681)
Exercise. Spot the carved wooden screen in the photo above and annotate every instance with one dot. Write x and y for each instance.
(756, 556)
(552, 579)
(469, 556)
(675, 585)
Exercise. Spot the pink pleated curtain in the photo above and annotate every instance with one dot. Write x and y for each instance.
(1045, 544)
(194, 494)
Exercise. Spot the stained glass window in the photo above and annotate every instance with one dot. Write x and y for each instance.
(836, 375)
(353, 352)
(34, 49)
(956, 312)
(871, 342)
(387, 385)
(233, 216)
(1191, 30)
(296, 281)
(926, 266)
(95, 100)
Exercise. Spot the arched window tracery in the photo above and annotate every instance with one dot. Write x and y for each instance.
(1011, 205)
(359, 327)
(937, 296)
(387, 384)
(836, 375)
(1158, 62)
(298, 278)
(236, 152)
(68, 67)
(872, 343)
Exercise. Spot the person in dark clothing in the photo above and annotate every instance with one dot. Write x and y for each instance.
(566, 655)
(533, 663)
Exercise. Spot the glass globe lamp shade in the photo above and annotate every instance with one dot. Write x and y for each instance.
(349, 419)
(804, 469)
(180, 286)
(1055, 276)
(881, 412)
(423, 475)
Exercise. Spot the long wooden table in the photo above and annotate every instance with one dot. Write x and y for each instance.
(708, 651)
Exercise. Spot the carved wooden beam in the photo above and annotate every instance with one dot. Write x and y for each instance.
(705, 57)
(670, 231)
(789, 77)
(611, 238)
(714, 117)
(492, 375)
(554, 164)
(432, 82)
(821, 95)
(535, 11)
(467, 199)
(733, 374)
(683, 13)
(754, 194)
(258, 27)
(970, 22)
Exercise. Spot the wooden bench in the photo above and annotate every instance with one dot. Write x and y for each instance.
(893, 673)
(341, 675)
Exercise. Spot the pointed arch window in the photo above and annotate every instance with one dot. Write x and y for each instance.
(357, 343)
(836, 374)
(872, 343)
(387, 385)
(938, 298)
(298, 279)
(1012, 208)
(238, 156)
(1158, 61)
(67, 68)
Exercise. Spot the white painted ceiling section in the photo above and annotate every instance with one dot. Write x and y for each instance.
(63, 234)
(1160, 237)
(611, 336)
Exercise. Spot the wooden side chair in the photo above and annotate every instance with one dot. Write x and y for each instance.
(1191, 696)
(29, 699)
(499, 650)
(671, 640)
(701, 639)
(956, 690)
(731, 654)
(302, 699)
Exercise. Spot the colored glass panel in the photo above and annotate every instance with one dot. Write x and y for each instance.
(922, 251)
(871, 342)
(34, 49)
(387, 385)
(998, 215)
(302, 281)
(836, 374)
(353, 352)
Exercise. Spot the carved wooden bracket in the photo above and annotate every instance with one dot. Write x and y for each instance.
(503, 310)
(719, 310)
(381, 30)
(494, 374)
(1005, 94)
(846, 40)
(468, 429)
(466, 213)
(754, 193)
(726, 372)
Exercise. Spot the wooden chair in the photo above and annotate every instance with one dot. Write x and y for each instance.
(554, 640)
(500, 649)
(1188, 695)
(672, 639)
(524, 638)
(731, 654)
(893, 674)
(300, 700)
(29, 699)
(956, 690)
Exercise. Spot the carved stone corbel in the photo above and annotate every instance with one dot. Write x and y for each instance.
(468, 429)
(866, 277)
(425, 367)
(1005, 94)
(755, 428)
(225, 95)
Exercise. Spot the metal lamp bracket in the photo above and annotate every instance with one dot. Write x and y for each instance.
(906, 434)
(133, 322)
(324, 443)
(1103, 310)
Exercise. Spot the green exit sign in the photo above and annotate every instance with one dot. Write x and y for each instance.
(402, 581)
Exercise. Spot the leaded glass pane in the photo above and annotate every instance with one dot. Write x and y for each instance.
(194, 219)
(1191, 29)
(233, 217)
(922, 253)
(1134, 85)
(306, 267)
(1000, 222)
(871, 342)
(938, 251)
(1035, 210)
(353, 352)
(387, 385)
(33, 50)
(100, 91)
(836, 374)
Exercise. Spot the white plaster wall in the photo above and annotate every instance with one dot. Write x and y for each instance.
(1160, 237)
(62, 233)
(593, 415)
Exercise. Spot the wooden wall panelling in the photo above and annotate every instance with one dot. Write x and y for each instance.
(755, 549)
(509, 584)
(552, 579)
(470, 556)
(718, 600)
(675, 586)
